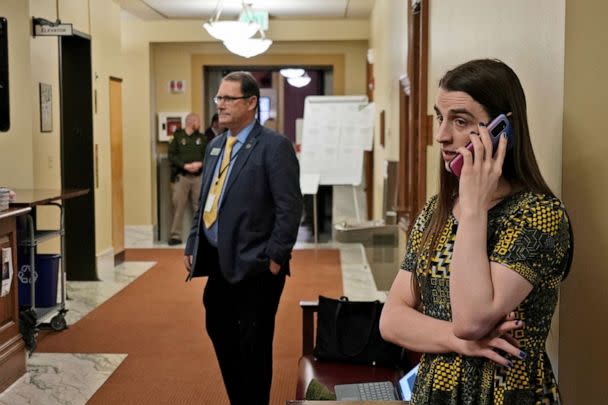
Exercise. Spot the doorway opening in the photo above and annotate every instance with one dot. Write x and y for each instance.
(281, 103)
(284, 104)
(77, 168)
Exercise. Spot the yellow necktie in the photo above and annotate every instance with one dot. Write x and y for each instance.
(209, 217)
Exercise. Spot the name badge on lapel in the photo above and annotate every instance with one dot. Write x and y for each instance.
(215, 151)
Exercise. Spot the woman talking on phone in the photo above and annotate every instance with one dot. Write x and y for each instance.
(485, 257)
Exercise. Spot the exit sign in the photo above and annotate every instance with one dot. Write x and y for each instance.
(257, 16)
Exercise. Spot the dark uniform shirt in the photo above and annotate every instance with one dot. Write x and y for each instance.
(184, 149)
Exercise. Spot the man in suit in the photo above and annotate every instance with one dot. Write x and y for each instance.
(242, 236)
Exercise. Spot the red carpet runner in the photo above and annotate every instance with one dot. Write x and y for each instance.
(158, 320)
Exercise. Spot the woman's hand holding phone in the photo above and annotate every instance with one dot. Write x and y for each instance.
(480, 172)
(498, 125)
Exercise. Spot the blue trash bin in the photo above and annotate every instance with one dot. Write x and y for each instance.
(46, 277)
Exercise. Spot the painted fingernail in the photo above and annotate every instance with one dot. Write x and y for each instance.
(509, 364)
(481, 124)
(517, 323)
(503, 135)
(523, 355)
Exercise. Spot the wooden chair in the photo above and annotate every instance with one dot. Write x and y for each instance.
(331, 373)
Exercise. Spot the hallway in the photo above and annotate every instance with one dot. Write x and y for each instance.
(62, 378)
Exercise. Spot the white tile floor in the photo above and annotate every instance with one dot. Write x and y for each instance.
(73, 378)
(60, 378)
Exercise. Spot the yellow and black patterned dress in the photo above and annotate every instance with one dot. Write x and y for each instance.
(530, 234)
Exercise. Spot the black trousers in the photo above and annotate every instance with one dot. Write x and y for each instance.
(240, 322)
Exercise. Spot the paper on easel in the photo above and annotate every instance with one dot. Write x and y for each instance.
(333, 124)
(309, 183)
(7, 271)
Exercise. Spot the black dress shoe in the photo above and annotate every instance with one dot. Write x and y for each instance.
(174, 241)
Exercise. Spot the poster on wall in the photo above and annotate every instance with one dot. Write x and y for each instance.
(7, 271)
(46, 108)
(177, 86)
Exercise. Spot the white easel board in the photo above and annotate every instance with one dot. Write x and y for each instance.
(336, 131)
(309, 183)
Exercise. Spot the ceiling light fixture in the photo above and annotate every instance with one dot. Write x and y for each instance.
(231, 30)
(299, 81)
(237, 34)
(248, 47)
(291, 72)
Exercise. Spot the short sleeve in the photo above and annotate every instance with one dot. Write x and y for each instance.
(534, 240)
(414, 239)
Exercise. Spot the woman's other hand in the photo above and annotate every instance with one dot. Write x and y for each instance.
(497, 345)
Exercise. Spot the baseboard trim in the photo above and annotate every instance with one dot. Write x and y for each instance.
(119, 258)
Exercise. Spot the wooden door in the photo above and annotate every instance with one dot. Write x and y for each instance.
(415, 124)
(118, 216)
(368, 156)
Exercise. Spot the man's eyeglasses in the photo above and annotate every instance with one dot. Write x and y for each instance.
(227, 99)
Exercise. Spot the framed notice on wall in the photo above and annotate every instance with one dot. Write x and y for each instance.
(46, 108)
(168, 123)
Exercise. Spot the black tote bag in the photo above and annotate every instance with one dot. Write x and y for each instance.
(349, 331)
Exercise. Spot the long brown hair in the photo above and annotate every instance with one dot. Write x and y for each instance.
(497, 88)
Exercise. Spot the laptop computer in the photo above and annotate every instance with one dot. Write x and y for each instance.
(378, 391)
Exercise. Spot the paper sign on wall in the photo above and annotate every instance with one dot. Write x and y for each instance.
(177, 86)
(336, 131)
(7, 271)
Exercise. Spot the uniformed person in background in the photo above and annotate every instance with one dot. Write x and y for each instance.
(186, 152)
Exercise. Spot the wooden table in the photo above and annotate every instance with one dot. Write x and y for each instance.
(12, 351)
(34, 197)
(78, 208)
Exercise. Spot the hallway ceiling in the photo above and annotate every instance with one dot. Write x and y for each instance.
(204, 9)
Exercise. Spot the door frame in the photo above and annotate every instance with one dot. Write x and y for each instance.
(415, 125)
(118, 245)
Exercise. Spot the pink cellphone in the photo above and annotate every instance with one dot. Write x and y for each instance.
(499, 125)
